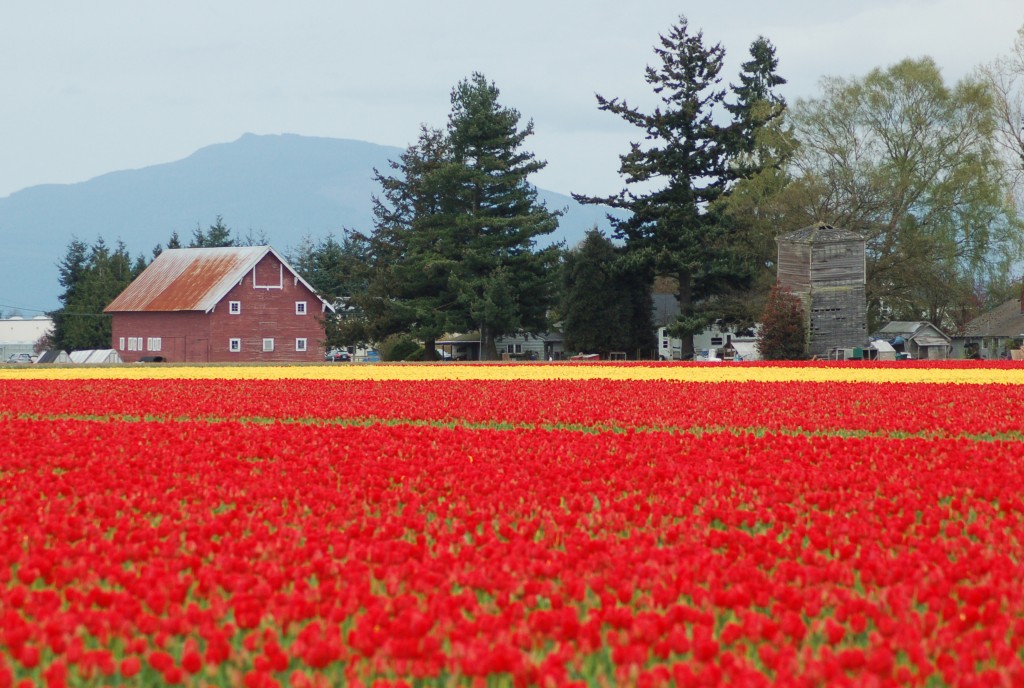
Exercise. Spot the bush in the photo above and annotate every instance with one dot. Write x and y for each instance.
(400, 347)
(783, 335)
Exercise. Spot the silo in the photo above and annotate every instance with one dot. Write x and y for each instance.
(826, 267)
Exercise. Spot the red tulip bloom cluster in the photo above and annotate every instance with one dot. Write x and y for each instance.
(318, 533)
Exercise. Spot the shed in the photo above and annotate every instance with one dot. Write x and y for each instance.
(95, 356)
(54, 356)
(231, 304)
(918, 339)
(826, 268)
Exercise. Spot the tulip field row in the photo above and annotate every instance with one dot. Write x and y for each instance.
(603, 531)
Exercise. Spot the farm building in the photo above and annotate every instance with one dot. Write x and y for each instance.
(916, 339)
(20, 335)
(238, 304)
(994, 334)
(826, 268)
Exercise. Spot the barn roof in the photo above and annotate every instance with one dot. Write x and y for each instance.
(819, 232)
(192, 279)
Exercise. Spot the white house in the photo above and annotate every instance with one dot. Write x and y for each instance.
(710, 343)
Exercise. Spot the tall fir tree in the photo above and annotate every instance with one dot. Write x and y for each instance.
(455, 232)
(503, 280)
(694, 154)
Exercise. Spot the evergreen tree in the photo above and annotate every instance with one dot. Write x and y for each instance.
(216, 235)
(693, 158)
(455, 230)
(602, 301)
(783, 333)
(504, 282)
(92, 277)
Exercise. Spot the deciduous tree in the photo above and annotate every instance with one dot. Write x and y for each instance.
(911, 164)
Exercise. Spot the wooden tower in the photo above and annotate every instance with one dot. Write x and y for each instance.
(826, 268)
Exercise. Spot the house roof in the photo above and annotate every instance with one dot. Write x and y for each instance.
(819, 232)
(918, 330)
(1005, 320)
(193, 279)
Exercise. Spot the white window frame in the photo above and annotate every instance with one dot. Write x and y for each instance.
(235, 307)
(153, 343)
(234, 345)
(300, 343)
(300, 308)
(268, 344)
(135, 344)
(121, 347)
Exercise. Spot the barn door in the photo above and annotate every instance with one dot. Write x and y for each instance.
(197, 351)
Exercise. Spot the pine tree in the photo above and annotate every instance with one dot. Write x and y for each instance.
(783, 334)
(693, 157)
(455, 229)
(503, 281)
(216, 235)
(92, 277)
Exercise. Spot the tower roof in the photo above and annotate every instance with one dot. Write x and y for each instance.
(818, 233)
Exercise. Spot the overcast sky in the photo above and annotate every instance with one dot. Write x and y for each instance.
(93, 87)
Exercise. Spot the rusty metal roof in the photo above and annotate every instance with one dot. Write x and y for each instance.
(191, 279)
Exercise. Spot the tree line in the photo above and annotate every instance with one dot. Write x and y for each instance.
(927, 172)
(92, 276)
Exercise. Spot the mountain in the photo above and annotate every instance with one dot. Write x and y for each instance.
(282, 187)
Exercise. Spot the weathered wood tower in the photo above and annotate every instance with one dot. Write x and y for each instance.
(826, 268)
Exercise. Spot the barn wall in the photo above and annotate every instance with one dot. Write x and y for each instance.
(267, 311)
(184, 336)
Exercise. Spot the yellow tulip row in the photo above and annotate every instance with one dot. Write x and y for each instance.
(588, 371)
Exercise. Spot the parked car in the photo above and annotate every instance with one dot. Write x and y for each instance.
(21, 358)
(338, 356)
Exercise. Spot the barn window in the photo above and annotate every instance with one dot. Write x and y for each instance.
(153, 343)
(300, 344)
(300, 308)
(234, 307)
(268, 344)
(121, 347)
(234, 344)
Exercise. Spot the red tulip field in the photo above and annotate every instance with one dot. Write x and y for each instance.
(500, 528)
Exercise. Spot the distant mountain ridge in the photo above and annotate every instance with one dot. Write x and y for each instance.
(281, 186)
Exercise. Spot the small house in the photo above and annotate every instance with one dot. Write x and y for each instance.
(545, 346)
(916, 339)
(232, 304)
(994, 334)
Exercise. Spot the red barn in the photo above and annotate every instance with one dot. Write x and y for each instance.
(219, 305)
